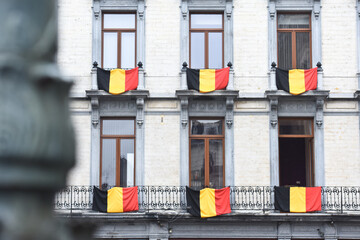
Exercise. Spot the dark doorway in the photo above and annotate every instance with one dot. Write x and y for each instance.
(296, 152)
(292, 161)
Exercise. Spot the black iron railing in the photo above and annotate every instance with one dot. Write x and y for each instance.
(245, 198)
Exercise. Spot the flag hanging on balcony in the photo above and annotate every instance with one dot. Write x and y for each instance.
(296, 81)
(117, 81)
(207, 80)
(208, 202)
(298, 199)
(115, 200)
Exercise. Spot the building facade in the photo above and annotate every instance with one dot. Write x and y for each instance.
(250, 136)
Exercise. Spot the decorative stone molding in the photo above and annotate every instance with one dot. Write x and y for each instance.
(229, 117)
(272, 10)
(317, 7)
(319, 112)
(184, 9)
(95, 111)
(141, 9)
(273, 112)
(96, 8)
(140, 111)
(229, 9)
(185, 113)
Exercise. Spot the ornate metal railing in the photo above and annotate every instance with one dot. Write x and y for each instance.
(243, 198)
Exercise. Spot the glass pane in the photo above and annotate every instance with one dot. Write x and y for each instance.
(110, 50)
(293, 21)
(206, 21)
(215, 50)
(197, 163)
(127, 50)
(119, 21)
(295, 126)
(206, 127)
(197, 50)
(118, 127)
(126, 162)
(303, 50)
(284, 50)
(216, 163)
(108, 160)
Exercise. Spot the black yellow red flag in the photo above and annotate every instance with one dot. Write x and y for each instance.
(296, 81)
(117, 81)
(208, 202)
(115, 200)
(298, 199)
(207, 80)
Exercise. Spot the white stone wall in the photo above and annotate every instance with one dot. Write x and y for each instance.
(75, 43)
(250, 45)
(339, 45)
(80, 174)
(342, 154)
(162, 149)
(162, 64)
(251, 150)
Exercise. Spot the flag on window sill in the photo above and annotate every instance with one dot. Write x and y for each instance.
(117, 81)
(207, 80)
(208, 202)
(115, 200)
(298, 199)
(296, 81)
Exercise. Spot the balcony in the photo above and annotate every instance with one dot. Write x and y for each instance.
(244, 199)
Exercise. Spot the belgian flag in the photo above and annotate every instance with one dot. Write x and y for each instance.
(298, 199)
(207, 80)
(115, 200)
(117, 81)
(296, 81)
(208, 202)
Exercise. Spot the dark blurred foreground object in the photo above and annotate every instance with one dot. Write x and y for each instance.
(36, 136)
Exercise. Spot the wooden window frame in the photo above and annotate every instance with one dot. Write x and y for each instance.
(311, 137)
(118, 31)
(206, 32)
(118, 138)
(206, 139)
(293, 32)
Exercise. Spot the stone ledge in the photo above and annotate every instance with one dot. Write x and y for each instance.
(215, 94)
(129, 94)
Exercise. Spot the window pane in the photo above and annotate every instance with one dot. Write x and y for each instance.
(119, 21)
(284, 50)
(303, 50)
(215, 50)
(126, 162)
(197, 163)
(197, 50)
(127, 50)
(293, 21)
(216, 163)
(108, 160)
(118, 127)
(295, 126)
(206, 21)
(206, 127)
(110, 50)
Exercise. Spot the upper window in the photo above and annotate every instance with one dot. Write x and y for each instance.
(207, 153)
(118, 40)
(206, 40)
(294, 41)
(117, 152)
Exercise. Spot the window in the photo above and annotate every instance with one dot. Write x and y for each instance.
(118, 40)
(117, 152)
(294, 41)
(206, 40)
(296, 136)
(207, 153)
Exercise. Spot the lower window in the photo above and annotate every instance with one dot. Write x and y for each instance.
(117, 154)
(207, 153)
